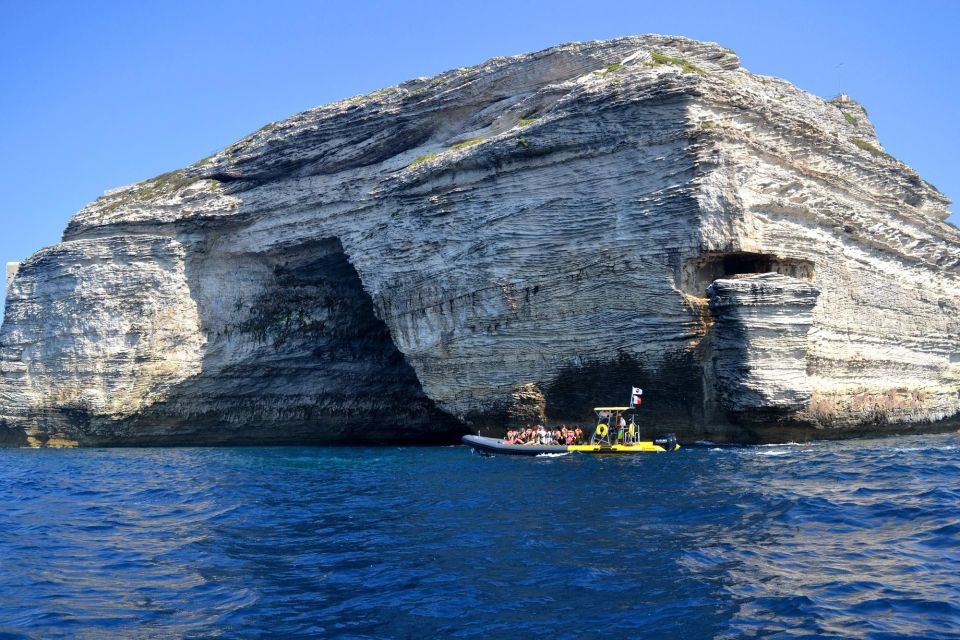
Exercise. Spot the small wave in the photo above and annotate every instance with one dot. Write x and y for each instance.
(553, 455)
(774, 452)
(716, 445)
(908, 449)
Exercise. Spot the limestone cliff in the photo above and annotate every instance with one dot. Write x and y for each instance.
(516, 240)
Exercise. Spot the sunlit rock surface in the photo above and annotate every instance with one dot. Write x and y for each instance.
(759, 342)
(524, 238)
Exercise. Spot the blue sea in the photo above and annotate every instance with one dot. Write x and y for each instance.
(856, 539)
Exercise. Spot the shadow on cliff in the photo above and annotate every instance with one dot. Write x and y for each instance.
(295, 355)
(12, 437)
(672, 391)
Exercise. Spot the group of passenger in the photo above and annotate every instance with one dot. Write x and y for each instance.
(541, 435)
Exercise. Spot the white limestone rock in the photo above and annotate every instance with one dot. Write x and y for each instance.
(12, 268)
(759, 344)
(411, 258)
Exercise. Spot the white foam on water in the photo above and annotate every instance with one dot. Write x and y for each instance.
(948, 447)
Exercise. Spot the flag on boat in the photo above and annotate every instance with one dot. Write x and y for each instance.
(635, 397)
(637, 391)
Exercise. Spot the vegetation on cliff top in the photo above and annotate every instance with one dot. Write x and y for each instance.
(685, 65)
(866, 146)
(463, 144)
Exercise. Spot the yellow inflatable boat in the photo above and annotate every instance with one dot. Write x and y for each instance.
(612, 435)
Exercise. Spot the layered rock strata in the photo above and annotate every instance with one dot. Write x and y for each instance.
(12, 268)
(521, 239)
(759, 347)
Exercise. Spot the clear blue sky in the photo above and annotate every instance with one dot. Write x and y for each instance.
(94, 94)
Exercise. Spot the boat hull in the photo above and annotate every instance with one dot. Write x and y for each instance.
(495, 445)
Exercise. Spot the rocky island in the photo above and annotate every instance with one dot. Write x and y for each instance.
(500, 244)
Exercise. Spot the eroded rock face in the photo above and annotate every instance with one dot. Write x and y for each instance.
(97, 329)
(419, 258)
(527, 406)
(759, 346)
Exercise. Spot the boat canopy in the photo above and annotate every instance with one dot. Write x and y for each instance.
(612, 408)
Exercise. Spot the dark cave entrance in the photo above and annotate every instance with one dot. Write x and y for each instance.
(698, 273)
(296, 354)
(317, 318)
(739, 263)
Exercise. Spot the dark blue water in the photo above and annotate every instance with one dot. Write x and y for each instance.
(854, 539)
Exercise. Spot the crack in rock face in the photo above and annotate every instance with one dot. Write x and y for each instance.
(513, 242)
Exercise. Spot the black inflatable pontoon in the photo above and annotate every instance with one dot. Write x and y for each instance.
(495, 445)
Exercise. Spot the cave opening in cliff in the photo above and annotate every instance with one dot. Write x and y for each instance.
(296, 354)
(317, 315)
(697, 274)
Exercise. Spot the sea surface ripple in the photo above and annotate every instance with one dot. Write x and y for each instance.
(857, 539)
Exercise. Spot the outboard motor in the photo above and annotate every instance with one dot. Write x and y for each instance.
(668, 441)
